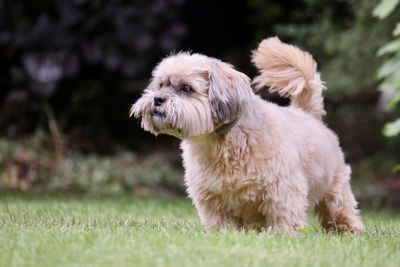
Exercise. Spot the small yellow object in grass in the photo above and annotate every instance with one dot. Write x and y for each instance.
(304, 230)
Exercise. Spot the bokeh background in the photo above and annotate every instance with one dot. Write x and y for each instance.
(71, 69)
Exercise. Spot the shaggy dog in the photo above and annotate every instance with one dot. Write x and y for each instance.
(251, 164)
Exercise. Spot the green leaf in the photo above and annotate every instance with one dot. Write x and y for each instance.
(391, 47)
(396, 168)
(384, 8)
(394, 101)
(396, 31)
(392, 128)
(389, 68)
(389, 84)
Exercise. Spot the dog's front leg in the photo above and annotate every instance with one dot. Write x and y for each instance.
(285, 205)
(213, 219)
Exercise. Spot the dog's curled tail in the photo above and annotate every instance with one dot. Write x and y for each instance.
(290, 72)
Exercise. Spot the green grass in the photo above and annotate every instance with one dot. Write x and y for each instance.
(127, 231)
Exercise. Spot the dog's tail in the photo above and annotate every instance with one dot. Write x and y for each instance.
(290, 72)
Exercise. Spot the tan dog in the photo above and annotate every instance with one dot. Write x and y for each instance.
(249, 163)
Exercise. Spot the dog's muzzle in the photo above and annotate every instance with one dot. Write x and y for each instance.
(159, 100)
(157, 112)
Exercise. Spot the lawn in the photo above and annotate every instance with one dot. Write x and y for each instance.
(128, 231)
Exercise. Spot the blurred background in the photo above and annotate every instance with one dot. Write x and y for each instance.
(70, 69)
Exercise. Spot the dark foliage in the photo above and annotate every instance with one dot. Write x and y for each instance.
(74, 55)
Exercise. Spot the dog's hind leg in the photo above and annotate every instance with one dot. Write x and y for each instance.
(338, 208)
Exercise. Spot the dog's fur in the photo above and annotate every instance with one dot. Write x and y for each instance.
(250, 164)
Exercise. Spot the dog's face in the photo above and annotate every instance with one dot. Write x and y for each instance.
(190, 95)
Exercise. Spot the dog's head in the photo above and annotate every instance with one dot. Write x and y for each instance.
(190, 95)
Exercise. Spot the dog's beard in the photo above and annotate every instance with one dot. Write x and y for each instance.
(178, 117)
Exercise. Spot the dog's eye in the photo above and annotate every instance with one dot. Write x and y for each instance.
(161, 85)
(187, 88)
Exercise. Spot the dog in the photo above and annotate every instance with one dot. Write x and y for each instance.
(251, 164)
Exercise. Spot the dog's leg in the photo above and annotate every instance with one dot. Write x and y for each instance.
(214, 220)
(285, 205)
(337, 210)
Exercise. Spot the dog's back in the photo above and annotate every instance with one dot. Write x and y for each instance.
(290, 72)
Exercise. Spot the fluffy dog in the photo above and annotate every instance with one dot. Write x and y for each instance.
(251, 164)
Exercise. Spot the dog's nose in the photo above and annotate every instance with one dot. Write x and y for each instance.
(158, 100)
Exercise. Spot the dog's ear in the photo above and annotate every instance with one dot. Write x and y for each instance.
(228, 93)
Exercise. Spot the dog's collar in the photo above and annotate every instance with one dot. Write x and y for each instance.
(224, 128)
